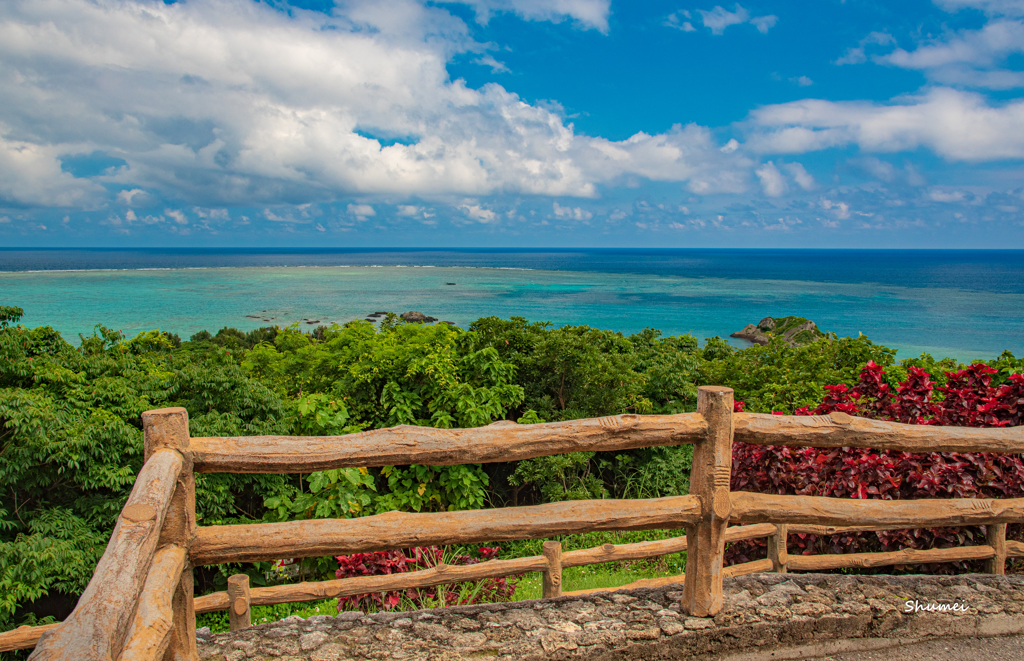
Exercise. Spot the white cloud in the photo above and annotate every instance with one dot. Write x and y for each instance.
(361, 211)
(680, 21)
(476, 212)
(940, 195)
(719, 18)
(956, 125)
(571, 213)
(857, 55)
(764, 23)
(970, 57)
(30, 174)
(495, 65)
(232, 102)
(4, 219)
(802, 177)
(409, 210)
(586, 13)
(840, 210)
(135, 196)
(992, 7)
(773, 183)
(178, 216)
(802, 81)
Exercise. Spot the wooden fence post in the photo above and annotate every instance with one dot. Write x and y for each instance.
(709, 480)
(778, 551)
(995, 536)
(552, 585)
(168, 428)
(239, 611)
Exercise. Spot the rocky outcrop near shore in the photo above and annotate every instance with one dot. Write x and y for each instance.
(794, 331)
(417, 318)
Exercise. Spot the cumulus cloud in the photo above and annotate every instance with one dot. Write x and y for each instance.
(801, 176)
(30, 174)
(571, 213)
(229, 102)
(992, 7)
(955, 124)
(473, 210)
(586, 13)
(361, 211)
(773, 183)
(973, 58)
(719, 18)
(679, 20)
(409, 210)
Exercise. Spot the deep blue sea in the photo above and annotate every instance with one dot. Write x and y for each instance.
(964, 304)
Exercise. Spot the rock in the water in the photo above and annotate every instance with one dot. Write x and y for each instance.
(752, 333)
(417, 318)
(794, 331)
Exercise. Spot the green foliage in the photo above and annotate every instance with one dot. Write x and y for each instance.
(71, 429)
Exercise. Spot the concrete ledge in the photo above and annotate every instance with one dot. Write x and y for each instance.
(766, 616)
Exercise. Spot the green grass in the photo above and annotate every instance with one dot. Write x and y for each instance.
(218, 621)
(610, 575)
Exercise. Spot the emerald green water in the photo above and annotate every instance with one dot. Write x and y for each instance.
(940, 320)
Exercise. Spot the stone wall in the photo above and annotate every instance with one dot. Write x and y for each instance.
(765, 616)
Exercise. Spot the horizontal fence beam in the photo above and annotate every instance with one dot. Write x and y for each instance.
(406, 444)
(96, 629)
(24, 637)
(397, 530)
(313, 591)
(750, 507)
(753, 567)
(904, 557)
(838, 430)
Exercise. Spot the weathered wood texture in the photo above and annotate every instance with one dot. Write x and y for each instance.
(444, 574)
(731, 571)
(96, 628)
(168, 429)
(778, 551)
(995, 535)
(407, 444)
(709, 481)
(924, 513)
(23, 638)
(904, 557)
(838, 430)
(1014, 549)
(150, 633)
(396, 530)
(240, 611)
(551, 581)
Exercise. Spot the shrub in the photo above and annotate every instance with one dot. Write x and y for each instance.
(968, 398)
(381, 563)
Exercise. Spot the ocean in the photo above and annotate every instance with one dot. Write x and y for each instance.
(963, 304)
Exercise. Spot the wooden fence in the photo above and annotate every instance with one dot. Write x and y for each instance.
(139, 603)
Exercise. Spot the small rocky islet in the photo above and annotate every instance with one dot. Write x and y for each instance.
(794, 331)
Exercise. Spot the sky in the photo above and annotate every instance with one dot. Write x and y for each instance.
(519, 123)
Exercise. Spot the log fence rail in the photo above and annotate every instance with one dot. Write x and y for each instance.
(140, 604)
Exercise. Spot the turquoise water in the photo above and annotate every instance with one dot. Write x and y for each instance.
(944, 321)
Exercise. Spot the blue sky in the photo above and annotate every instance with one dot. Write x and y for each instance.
(406, 123)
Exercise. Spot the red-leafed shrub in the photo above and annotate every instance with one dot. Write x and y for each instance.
(967, 399)
(380, 563)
